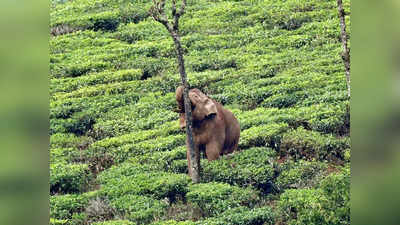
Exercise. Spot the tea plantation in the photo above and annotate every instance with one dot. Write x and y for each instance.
(117, 155)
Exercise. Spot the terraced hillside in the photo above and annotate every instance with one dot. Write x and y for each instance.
(117, 155)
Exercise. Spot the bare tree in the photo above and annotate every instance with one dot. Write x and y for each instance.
(157, 11)
(346, 51)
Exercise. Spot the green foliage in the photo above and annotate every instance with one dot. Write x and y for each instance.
(106, 77)
(173, 222)
(242, 215)
(123, 152)
(146, 30)
(117, 182)
(69, 178)
(115, 222)
(63, 207)
(139, 209)
(58, 222)
(253, 166)
(62, 140)
(93, 15)
(301, 143)
(264, 135)
(214, 198)
(301, 174)
(337, 187)
(326, 205)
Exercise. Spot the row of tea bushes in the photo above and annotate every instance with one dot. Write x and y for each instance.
(69, 178)
(328, 204)
(250, 167)
(72, 84)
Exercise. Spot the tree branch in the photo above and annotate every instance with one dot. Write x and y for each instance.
(158, 14)
(178, 14)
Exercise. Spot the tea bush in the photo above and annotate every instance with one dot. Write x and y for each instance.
(69, 178)
(58, 222)
(63, 140)
(146, 30)
(179, 166)
(123, 152)
(64, 155)
(214, 198)
(63, 207)
(115, 222)
(326, 205)
(94, 16)
(264, 135)
(139, 209)
(301, 174)
(106, 77)
(301, 143)
(243, 215)
(65, 108)
(173, 222)
(153, 184)
(250, 167)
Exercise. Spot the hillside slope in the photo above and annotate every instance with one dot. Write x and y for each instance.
(117, 153)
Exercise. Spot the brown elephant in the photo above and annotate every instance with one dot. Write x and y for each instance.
(216, 130)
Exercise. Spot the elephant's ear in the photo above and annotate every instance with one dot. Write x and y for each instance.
(179, 98)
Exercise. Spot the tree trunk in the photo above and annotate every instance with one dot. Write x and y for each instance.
(346, 53)
(194, 169)
(158, 13)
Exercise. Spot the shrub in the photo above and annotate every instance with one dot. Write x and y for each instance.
(326, 205)
(337, 188)
(304, 206)
(301, 143)
(58, 222)
(253, 166)
(199, 64)
(105, 77)
(154, 184)
(62, 140)
(173, 222)
(214, 198)
(242, 215)
(179, 166)
(256, 117)
(145, 30)
(66, 155)
(121, 153)
(69, 178)
(264, 135)
(139, 209)
(301, 174)
(63, 207)
(115, 222)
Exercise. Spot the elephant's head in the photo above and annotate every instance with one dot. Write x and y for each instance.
(202, 106)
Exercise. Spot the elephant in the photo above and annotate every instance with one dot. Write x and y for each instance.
(216, 130)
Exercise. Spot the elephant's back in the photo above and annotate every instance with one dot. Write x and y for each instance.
(232, 131)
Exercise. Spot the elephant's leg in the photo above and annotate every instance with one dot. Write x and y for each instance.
(213, 150)
(233, 147)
